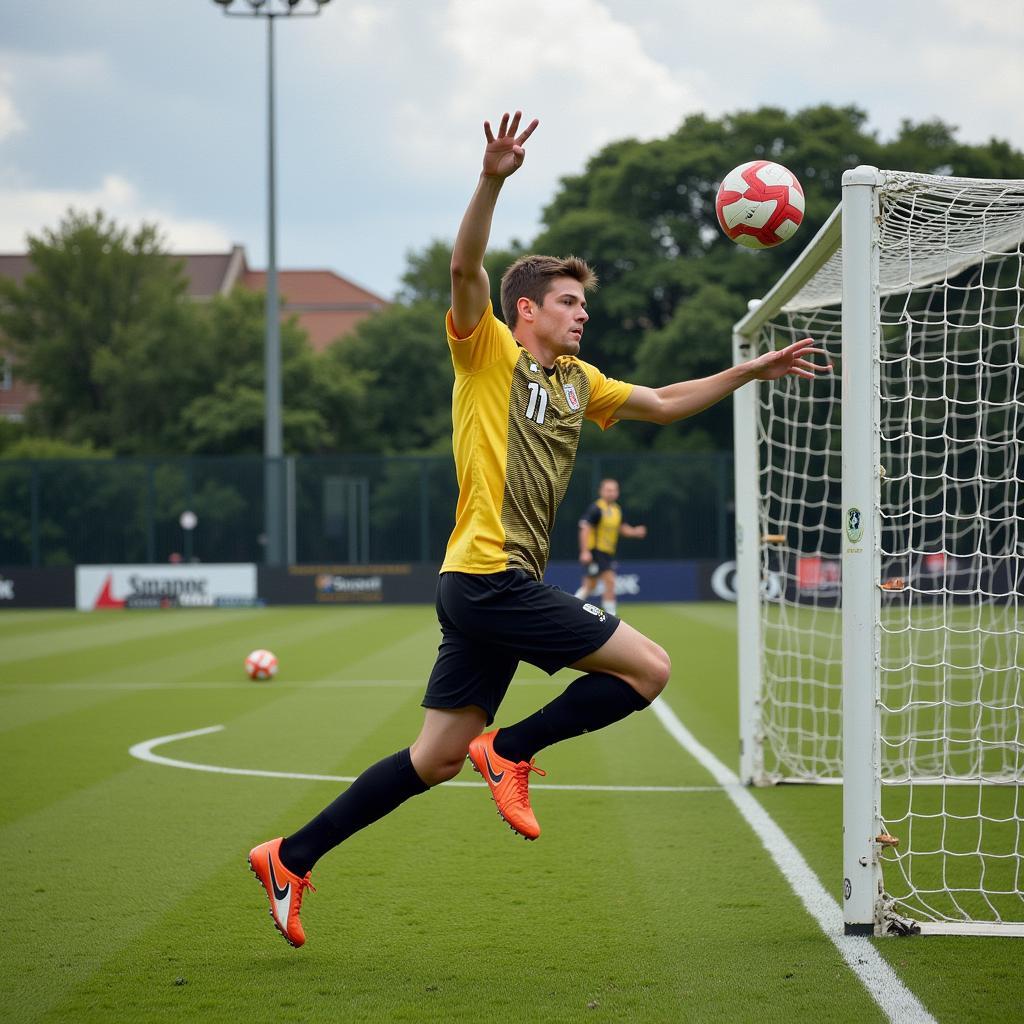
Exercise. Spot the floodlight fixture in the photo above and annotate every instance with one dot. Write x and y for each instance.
(271, 8)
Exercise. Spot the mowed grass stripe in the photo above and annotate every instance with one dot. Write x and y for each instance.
(466, 923)
(195, 650)
(83, 724)
(106, 861)
(439, 912)
(701, 639)
(189, 634)
(429, 863)
(108, 824)
(81, 631)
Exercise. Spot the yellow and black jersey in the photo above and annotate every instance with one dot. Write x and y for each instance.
(605, 520)
(516, 427)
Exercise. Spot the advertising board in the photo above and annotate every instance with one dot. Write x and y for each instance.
(402, 583)
(164, 586)
(23, 587)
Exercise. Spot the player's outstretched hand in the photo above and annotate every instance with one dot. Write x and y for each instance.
(791, 359)
(504, 154)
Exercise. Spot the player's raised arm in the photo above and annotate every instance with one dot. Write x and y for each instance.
(503, 155)
(688, 397)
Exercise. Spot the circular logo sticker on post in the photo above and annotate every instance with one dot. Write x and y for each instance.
(854, 524)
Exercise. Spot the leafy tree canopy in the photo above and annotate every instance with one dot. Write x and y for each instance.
(124, 362)
(99, 316)
(672, 285)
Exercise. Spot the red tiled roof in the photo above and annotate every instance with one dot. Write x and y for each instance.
(315, 287)
(325, 327)
(208, 273)
(327, 305)
(205, 272)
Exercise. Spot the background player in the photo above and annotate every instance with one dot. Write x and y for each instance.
(600, 528)
(518, 405)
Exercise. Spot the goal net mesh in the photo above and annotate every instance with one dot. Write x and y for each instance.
(951, 630)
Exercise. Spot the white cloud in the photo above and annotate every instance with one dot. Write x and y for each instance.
(10, 119)
(365, 21)
(25, 210)
(965, 75)
(1000, 18)
(586, 75)
(82, 70)
(572, 62)
(768, 34)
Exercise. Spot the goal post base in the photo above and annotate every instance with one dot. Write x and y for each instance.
(858, 929)
(1008, 928)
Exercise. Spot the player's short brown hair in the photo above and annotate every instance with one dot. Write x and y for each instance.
(531, 276)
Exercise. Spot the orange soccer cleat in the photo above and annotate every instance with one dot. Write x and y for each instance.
(284, 889)
(509, 782)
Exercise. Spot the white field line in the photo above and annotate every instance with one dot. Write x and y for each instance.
(894, 998)
(144, 752)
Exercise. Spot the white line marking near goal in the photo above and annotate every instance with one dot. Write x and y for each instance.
(885, 987)
(144, 752)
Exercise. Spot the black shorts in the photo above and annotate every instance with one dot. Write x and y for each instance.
(491, 623)
(600, 561)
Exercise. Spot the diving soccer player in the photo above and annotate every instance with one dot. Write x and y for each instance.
(521, 394)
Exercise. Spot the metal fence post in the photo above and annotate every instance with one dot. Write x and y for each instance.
(34, 514)
(424, 513)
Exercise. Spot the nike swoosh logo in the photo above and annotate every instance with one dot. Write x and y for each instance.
(279, 893)
(496, 777)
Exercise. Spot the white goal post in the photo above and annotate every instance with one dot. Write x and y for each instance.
(880, 547)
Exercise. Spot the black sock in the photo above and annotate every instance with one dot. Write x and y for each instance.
(587, 704)
(378, 791)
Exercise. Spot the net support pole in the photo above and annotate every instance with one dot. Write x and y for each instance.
(861, 563)
(748, 567)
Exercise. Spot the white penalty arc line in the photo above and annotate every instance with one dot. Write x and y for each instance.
(884, 986)
(144, 751)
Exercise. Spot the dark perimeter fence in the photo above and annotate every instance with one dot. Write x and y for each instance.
(338, 509)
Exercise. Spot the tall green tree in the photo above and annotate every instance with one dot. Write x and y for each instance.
(99, 326)
(397, 364)
(126, 363)
(400, 361)
(672, 285)
(226, 415)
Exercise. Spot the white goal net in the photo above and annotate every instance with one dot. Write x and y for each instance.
(947, 525)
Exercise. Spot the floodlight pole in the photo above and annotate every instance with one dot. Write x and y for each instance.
(273, 444)
(273, 439)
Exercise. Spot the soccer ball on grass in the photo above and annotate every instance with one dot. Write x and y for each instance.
(261, 665)
(759, 204)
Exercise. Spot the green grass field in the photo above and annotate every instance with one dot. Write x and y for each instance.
(128, 897)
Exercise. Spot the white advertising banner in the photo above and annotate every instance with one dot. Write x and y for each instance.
(164, 586)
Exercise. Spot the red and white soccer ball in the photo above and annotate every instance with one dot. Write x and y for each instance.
(261, 665)
(760, 204)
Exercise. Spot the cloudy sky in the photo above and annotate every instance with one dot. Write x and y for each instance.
(155, 109)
